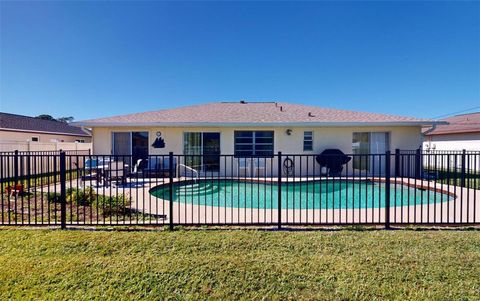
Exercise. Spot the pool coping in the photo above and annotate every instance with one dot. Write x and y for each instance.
(256, 180)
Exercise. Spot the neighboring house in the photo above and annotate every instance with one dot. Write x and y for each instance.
(461, 132)
(18, 128)
(252, 129)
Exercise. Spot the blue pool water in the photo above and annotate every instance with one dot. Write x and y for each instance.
(300, 195)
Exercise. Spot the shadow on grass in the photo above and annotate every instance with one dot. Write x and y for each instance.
(165, 227)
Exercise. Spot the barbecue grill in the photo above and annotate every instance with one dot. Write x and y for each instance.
(333, 159)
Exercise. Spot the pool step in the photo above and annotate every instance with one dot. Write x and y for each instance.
(197, 189)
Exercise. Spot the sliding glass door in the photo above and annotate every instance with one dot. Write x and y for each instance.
(122, 144)
(192, 148)
(211, 151)
(202, 150)
(133, 144)
(139, 146)
(366, 143)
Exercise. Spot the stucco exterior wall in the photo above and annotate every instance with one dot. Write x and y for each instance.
(323, 137)
(406, 138)
(43, 137)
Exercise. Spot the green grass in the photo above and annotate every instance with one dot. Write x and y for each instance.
(334, 265)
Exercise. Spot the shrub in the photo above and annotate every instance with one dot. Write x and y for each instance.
(112, 205)
(82, 197)
(53, 197)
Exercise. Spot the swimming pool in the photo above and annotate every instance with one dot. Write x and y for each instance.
(299, 195)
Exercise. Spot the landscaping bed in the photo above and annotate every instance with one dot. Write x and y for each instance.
(83, 206)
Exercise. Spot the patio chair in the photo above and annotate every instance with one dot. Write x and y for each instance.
(159, 167)
(259, 164)
(165, 166)
(115, 172)
(93, 164)
(243, 164)
(93, 169)
(137, 168)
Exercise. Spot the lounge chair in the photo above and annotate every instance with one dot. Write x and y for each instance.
(243, 164)
(160, 167)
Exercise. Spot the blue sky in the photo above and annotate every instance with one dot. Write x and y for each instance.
(98, 59)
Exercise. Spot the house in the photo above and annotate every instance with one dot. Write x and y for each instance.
(461, 132)
(251, 129)
(19, 128)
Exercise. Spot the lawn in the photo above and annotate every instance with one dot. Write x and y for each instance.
(240, 264)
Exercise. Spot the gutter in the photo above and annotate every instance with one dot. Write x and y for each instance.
(255, 124)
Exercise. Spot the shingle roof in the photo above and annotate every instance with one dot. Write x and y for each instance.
(26, 123)
(248, 113)
(465, 123)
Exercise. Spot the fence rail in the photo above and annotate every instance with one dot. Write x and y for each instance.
(399, 188)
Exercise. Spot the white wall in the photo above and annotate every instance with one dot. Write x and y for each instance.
(324, 137)
(22, 136)
(406, 138)
(467, 141)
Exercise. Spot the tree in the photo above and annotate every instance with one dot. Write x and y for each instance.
(46, 117)
(65, 119)
(59, 119)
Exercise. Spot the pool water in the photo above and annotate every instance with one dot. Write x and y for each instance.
(300, 195)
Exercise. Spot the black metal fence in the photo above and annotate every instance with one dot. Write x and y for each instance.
(399, 188)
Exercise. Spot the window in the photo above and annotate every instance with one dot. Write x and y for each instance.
(308, 141)
(35, 139)
(253, 143)
(80, 140)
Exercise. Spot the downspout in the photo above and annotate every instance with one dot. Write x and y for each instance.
(434, 126)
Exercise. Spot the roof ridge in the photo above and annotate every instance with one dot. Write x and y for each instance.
(472, 113)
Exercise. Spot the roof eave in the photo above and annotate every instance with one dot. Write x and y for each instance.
(453, 132)
(94, 124)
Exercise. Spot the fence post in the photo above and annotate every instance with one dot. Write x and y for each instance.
(463, 168)
(387, 190)
(15, 167)
(279, 185)
(63, 191)
(170, 189)
(397, 163)
(417, 163)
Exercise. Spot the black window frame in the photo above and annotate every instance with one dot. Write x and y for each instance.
(305, 141)
(243, 135)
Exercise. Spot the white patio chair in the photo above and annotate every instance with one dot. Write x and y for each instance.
(136, 167)
(259, 164)
(243, 164)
